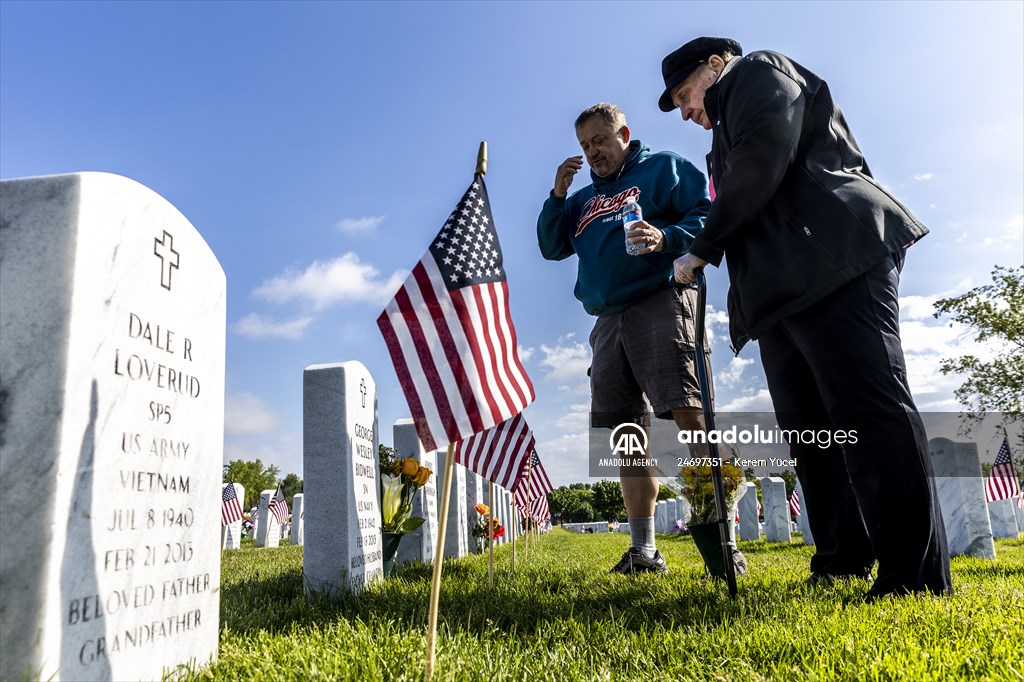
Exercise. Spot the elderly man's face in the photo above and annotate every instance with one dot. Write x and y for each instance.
(689, 95)
(606, 148)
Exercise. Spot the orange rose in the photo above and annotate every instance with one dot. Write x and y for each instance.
(410, 467)
(421, 476)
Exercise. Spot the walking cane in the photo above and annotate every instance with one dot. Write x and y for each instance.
(703, 368)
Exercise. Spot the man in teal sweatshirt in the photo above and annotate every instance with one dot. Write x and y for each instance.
(643, 339)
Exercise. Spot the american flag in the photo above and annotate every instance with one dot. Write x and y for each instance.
(794, 503)
(500, 453)
(1002, 482)
(539, 509)
(450, 333)
(230, 507)
(255, 514)
(279, 506)
(534, 483)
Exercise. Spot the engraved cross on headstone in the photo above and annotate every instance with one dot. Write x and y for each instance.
(362, 389)
(163, 247)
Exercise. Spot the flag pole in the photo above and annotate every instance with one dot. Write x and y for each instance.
(490, 535)
(435, 586)
(512, 530)
(481, 159)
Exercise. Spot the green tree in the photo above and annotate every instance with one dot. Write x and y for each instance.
(291, 485)
(572, 504)
(254, 476)
(608, 503)
(994, 314)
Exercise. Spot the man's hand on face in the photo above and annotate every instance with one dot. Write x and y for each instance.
(647, 236)
(564, 175)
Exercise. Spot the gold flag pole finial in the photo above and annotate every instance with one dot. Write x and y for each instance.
(481, 159)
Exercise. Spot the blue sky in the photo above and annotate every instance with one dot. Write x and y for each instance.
(317, 147)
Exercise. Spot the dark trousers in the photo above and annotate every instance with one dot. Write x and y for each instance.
(838, 366)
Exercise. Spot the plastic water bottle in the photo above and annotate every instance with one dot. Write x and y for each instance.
(631, 213)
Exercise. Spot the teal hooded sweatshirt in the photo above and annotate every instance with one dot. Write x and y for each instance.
(674, 198)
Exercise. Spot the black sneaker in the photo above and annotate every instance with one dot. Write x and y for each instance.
(634, 561)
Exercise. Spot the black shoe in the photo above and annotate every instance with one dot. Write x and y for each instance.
(634, 561)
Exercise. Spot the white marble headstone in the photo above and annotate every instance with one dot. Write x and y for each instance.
(672, 508)
(112, 339)
(1004, 521)
(684, 509)
(231, 534)
(1018, 513)
(962, 498)
(802, 521)
(474, 496)
(421, 544)
(776, 509)
(661, 517)
(750, 525)
(298, 518)
(341, 476)
(456, 535)
(268, 530)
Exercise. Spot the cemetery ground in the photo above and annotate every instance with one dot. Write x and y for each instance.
(561, 616)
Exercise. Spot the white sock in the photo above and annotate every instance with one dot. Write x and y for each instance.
(641, 532)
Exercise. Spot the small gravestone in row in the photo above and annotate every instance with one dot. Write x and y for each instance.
(420, 544)
(803, 523)
(298, 519)
(1004, 522)
(456, 536)
(776, 510)
(661, 517)
(684, 509)
(623, 527)
(268, 530)
(231, 534)
(1018, 513)
(112, 337)
(961, 491)
(672, 509)
(341, 476)
(474, 496)
(750, 525)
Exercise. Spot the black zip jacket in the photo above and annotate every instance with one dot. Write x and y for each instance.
(797, 212)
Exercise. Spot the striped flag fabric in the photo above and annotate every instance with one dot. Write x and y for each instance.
(255, 514)
(534, 483)
(1002, 483)
(230, 507)
(279, 506)
(794, 503)
(450, 334)
(500, 454)
(539, 509)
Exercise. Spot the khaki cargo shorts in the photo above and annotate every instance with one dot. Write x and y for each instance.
(644, 360)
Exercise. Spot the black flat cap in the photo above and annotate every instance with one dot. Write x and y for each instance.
(684, 61)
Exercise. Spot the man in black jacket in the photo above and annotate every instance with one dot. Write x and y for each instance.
(814, 247)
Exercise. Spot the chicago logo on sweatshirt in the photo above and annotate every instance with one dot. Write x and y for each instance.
(600, 205)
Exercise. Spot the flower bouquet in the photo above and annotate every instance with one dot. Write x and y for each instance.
(485, 535)
(699, 489)
(399, 481)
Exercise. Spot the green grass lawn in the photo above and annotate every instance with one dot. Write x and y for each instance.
(561, 617)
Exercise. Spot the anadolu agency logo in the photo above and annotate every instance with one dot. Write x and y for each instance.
(628, 440)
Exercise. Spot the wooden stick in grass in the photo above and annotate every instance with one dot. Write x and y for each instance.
(490, 536)
(435, 585)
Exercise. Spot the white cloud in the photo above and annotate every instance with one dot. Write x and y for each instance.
(257, 326)
(345, 279)
(525, 353)
(359, 226)
(566, 362)
(1011, 235)
(731, 376)
(754, 402)
(565, 458)
(577, 418)
(924, 176)
(247, 414)
(715, 322)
